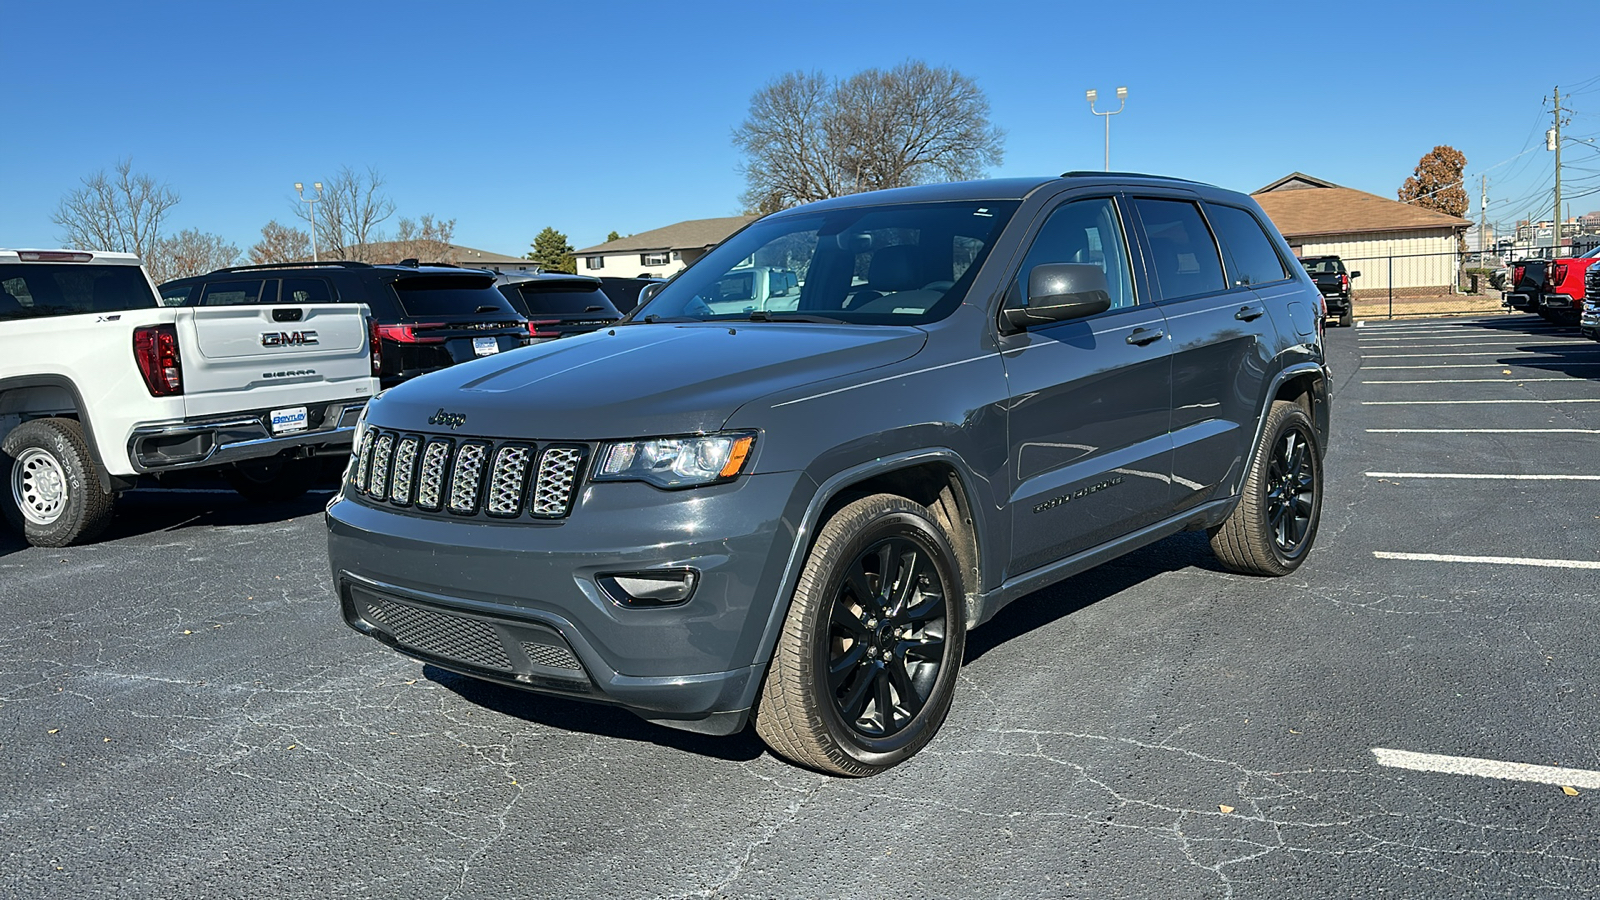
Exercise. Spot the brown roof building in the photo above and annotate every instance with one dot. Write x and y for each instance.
(661, 251)
(1406, 250)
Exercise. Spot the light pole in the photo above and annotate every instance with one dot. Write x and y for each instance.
(1122, 98)
(311, 204)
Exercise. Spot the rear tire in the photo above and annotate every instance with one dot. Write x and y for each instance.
(51, 487)
(272, 480)
(1271, 530)
(866, 665)
(1346, 320)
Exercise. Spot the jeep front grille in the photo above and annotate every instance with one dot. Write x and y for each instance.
(441, 634)
(471, 477)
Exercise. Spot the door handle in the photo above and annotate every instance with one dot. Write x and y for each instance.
(1249, 313)
(1142, 336)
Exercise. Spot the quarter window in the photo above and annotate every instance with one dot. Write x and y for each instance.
(1183, 254)
(1083, 231)
(1254, 259)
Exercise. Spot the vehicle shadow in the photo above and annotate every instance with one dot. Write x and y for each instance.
(148, 511)
(1185, 550)
(593, 718)
(1181, 551)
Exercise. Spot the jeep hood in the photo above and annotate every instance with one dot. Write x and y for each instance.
(638, 380)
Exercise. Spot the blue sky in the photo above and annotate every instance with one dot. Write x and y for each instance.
(590, 117)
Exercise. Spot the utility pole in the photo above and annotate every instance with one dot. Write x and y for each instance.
(1483, 215)
(1555, 241)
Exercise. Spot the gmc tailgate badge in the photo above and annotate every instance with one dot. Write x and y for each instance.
(288, 338)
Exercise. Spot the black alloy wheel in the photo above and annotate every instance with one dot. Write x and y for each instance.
(885, 641)
(1291, 491)
(865, 668)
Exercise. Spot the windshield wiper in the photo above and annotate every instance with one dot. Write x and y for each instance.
(761, 315)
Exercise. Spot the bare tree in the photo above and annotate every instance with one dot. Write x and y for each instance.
(189, 252)
(809, 138)
(347, 218)
(281, 244)
(426, 239)
(121, 214)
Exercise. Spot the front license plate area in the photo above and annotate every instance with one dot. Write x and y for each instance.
(288, 420)
(485, 346)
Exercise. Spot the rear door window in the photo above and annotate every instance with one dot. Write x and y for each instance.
(1254, 259)
(239, 293)
(29, 290)
(449, 296)
(307, 290)
(1184, 255)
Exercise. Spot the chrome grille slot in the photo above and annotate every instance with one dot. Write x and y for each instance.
(507, 480)
(467, 478)
(558, 474)
(430, 481)
(382, 454)
(405, 468)
(364, 461)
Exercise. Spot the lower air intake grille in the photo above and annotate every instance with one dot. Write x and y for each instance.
(554, 657)
(440, 634)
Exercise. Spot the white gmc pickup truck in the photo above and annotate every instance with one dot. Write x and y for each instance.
(100, 384)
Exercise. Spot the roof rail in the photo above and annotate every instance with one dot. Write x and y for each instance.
(338, 263)
(1082, 173)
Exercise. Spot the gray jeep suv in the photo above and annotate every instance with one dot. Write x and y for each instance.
(708, 514)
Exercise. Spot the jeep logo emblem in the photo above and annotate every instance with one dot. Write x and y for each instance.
(448, 419)
(288, 338)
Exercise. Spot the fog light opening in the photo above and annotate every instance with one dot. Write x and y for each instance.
(654, 588)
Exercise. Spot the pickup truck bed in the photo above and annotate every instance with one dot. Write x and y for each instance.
(85, 347)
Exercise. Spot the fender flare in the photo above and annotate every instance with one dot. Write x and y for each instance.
(809, 523)
(1319, 422)
(66, 384)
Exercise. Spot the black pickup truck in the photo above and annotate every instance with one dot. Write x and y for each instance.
(1334, 283)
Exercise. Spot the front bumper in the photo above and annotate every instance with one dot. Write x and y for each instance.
(168, 447)
(517, 602)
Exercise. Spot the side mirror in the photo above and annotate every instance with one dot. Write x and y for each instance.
(1058, 292)
(650, 291)
(1355, 274)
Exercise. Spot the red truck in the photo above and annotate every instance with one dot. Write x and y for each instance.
(1553, 288)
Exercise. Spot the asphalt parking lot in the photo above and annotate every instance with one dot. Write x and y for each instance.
(182, 714)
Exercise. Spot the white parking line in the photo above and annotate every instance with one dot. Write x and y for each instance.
(1485, 353)
(1392, 344)
(1488, 365)
(1492, 560)
(1487, 768)
(1504, 379)
(1462, 476)
(1483, 431)
(1470, 402)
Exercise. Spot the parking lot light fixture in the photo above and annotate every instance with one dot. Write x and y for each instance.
(311, 204)
(1122, 101)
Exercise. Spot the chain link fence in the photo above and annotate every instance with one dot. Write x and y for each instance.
(1426, 284)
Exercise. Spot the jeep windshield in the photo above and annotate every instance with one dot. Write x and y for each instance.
(904, 264)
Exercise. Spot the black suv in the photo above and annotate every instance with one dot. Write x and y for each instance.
(425, 317)
(1334, 282)
(711, 512)
(558, 305)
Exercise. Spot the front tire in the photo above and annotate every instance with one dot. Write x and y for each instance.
(1272, 528)
(52, 488)
(865, 668)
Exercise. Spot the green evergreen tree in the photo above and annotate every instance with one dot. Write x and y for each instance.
(552, 252)
(613, 236)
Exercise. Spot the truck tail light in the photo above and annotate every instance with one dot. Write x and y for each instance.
(155, 349)
(407, 334)
(1344, 280)
(1561, 273)
(534, 326)
(375, 347)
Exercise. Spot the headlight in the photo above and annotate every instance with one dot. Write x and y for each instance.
(677, 462)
